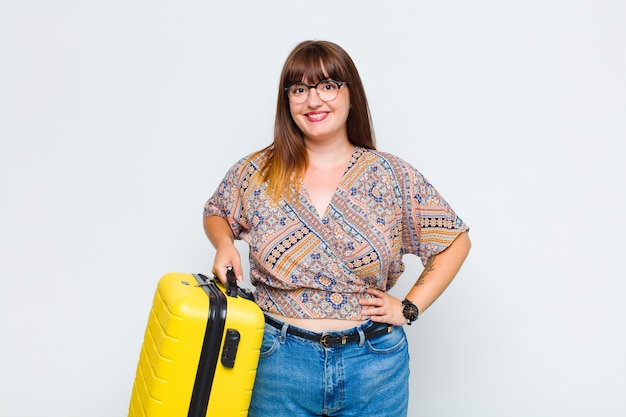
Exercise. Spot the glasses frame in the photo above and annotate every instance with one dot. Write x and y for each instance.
(309, 87)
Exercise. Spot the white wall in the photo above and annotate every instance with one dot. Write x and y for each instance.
(118, 119)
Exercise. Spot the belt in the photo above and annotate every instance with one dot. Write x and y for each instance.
(329, 340)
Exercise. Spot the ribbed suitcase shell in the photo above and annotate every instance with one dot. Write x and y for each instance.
(181, 371)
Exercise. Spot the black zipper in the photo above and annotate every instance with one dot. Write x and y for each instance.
(209, 354)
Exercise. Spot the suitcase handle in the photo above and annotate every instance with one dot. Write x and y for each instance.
(231, 287)
(231, 282)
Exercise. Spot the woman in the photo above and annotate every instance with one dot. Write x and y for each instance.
(328, 219)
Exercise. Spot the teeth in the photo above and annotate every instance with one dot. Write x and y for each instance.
(317, 115)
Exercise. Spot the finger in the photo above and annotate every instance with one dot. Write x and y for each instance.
(376, 293)
(376, 302)
(367, 311)
(220, 273)
(377, 319)
(219, 270)
(238, 271)
(374, 311)
(227, 257)
(367, 314)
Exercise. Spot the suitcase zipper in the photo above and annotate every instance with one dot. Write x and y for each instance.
(211, 345)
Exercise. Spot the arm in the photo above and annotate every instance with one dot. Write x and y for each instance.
(435, 278)
(221, 237)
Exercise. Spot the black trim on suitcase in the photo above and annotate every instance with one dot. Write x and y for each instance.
(211, 345)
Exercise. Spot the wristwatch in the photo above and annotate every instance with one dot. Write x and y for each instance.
(410, 311)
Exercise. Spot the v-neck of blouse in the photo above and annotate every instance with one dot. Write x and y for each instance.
(356, 154)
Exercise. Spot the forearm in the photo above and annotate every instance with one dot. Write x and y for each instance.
(218, 231)
(221, 236)
(439, 273)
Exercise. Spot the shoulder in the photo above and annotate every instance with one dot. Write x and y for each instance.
(395, 164)
(260, 157)
(249, 164)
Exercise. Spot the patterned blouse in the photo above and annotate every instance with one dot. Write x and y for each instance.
(307, 265)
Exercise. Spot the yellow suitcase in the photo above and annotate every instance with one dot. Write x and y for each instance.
(200, 351)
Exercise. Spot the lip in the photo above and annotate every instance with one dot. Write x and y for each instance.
(316, 116)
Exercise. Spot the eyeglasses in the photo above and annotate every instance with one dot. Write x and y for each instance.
(327, 90)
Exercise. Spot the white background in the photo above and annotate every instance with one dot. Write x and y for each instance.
(118, 118)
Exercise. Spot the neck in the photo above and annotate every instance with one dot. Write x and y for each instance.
(329, 155)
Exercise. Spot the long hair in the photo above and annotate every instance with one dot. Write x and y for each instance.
(286, 157)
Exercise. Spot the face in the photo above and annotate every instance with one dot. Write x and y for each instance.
(322, 120)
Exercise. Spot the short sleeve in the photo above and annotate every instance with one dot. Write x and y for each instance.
(227, 201)
(430, 225)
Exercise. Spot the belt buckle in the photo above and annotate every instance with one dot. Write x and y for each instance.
(326, 340)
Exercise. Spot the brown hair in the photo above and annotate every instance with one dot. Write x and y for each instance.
(312, 61)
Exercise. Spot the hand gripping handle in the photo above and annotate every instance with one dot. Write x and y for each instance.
(231, 283)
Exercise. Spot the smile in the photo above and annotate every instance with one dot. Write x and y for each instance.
(316, 116)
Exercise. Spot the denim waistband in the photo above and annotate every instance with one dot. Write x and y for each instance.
(366, 331)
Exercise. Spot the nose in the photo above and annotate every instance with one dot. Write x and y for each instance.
(314, 99)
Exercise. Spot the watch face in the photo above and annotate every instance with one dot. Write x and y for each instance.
(410, 311)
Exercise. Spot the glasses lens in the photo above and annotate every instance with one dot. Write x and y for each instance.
(298, 93)
(327, 90)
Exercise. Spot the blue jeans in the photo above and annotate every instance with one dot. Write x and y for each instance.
(298, 377)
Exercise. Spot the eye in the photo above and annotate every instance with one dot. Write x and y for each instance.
(298, 90)
(327, 86)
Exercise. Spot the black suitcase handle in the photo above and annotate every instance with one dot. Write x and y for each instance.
(231, 283)
(231, 287)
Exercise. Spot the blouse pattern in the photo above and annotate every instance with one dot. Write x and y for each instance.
(307, 265)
